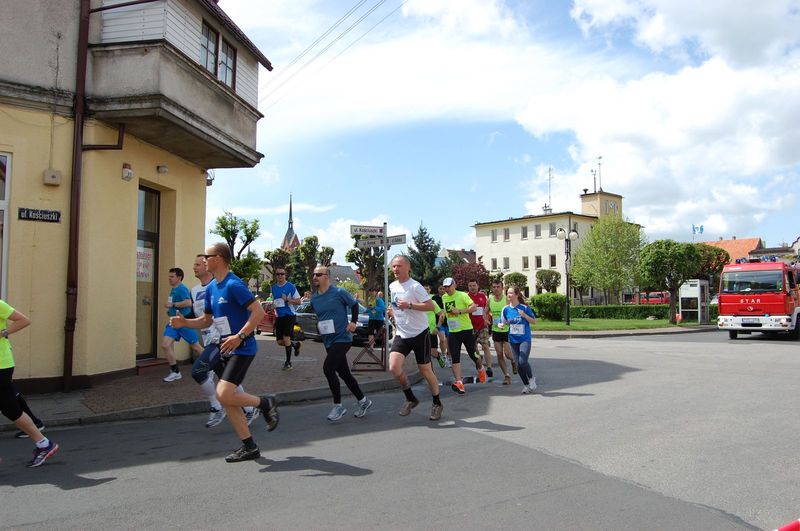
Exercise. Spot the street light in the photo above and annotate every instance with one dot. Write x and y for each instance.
(568, 238)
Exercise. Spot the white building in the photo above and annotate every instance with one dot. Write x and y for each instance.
(528, 244)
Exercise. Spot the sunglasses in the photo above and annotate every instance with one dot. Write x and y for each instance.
(280, 274)
(320, 274)
(207, 256)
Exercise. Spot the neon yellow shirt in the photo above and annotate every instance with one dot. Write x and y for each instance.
(460, 301)
(496, 308)
(6, 357)
(432, 317)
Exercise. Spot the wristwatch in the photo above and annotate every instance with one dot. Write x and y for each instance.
(242, 336)
(4, 333)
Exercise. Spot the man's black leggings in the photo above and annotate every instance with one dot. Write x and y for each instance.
(336, 362)
(9, 405)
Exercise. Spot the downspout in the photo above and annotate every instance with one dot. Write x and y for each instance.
(75, 195)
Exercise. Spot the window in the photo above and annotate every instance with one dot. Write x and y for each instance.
(552, 230)
(552, 260)
(537, 231)
(494, 264)
(494, 235)
(506, 234)
(538, 262)
(5, 172)
(525, 263)
(227, 63)
(524, 232)
(208, 49)
(505, 263)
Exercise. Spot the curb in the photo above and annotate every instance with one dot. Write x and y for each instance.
(201, 406)
(621, 333)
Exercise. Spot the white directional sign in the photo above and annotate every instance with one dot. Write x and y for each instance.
(366, 230)
(378, 242)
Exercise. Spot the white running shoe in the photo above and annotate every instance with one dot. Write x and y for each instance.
(532, 384)
(337, 412)
(215, 417)
(252, 414)
(172, 376)
(362, 408)
(526, 390)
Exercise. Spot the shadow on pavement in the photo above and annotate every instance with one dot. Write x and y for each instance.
(305, 462)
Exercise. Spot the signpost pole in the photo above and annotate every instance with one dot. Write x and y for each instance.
(386, 295)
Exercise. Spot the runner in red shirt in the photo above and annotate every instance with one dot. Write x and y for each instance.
(480, 323)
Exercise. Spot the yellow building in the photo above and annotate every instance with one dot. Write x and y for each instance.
(107, 131)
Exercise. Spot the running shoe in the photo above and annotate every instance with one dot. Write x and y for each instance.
(458, 387)
(287, 366)
(507, 380)
(482, 375)
(215, 416)
(172, 377)
(436, 412)
(526, 390)
(363, 407)
(532, 384)
(408, 405)
(442, 361)
(337, 413)
(243, 454)
(269, 405)
(40, 455)
(251, 414)
(22, 435)
(489, 372)
(297, 347)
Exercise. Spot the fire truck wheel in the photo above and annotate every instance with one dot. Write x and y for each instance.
(732, 334)
(795, 333)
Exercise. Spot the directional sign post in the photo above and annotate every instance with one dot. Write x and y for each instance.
(367, 230)
(366, 243)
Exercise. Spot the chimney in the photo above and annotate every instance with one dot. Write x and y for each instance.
(733, 238)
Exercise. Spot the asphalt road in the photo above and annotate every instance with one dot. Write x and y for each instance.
(665, 432)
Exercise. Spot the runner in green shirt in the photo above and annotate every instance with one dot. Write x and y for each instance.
(497, 301)
(458, 306)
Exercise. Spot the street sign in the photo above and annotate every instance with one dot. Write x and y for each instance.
(365, 230)
(378, 242)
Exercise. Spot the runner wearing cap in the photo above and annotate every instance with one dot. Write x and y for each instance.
(458, 306)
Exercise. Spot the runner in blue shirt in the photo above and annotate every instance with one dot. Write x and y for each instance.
(235, 312)
(376, 307)
(337, 319)
(518, 317)
(284, 298)
(180, 301)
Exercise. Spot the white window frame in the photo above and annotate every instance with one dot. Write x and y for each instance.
(553, 261)
(493, 235)
(553, 230)
(506, 235)
(525, 263)
(524, 232)
(506, 263)
(537, 230)
(494, 264)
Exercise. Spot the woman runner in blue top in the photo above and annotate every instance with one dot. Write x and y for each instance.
(518, 316)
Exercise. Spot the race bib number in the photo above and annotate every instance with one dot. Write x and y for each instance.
(517, 329)
(452, 323)
(222, 325)
(499, 321)
(169, 301)
(478, 311)
(326, 327)
(279, 303)
(210, 335)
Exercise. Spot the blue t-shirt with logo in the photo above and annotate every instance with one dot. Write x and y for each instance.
(377, 310)
(334, 305)
(511, 316)
(227, 302)
(278, 292)
(180, 293)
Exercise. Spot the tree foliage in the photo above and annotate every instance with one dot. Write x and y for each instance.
(246, 267)
(232, 229)
(352, 287)
(548, 280)
(276, 259)
(608, 256)
(666, 264)
(325, 256)
(515, 279)
(712, 260)
(464, 272)
(423, 256)
(369, 263)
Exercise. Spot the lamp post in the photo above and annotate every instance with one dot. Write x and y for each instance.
(568, 238)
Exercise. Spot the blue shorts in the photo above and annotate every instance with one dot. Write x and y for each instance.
(188, 334)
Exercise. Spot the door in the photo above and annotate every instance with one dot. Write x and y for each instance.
(147, 274)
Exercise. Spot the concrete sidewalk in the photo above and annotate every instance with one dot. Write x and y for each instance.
(147, 396)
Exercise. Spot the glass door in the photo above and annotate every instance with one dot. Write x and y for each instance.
(147, 274)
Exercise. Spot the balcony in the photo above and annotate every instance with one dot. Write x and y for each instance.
(167, 99)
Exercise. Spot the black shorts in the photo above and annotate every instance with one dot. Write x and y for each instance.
(421, 345)
(500, 337)
(235, 368)
(434, 340)
(284, 326)
(375, 326)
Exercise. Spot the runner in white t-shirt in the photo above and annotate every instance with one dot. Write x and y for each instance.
(407, 306)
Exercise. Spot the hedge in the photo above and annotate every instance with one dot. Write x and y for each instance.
(630, 311)
(550, 306)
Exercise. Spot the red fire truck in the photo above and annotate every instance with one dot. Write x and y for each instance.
(762, 296)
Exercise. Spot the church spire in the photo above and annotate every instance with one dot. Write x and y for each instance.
(291, 223)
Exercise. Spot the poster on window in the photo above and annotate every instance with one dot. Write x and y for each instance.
(145, 262)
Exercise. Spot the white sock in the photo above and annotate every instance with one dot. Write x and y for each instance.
(210, 391)
(44, 443)
(363, 400)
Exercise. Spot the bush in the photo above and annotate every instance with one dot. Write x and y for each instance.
(621, 311)
(549, 306)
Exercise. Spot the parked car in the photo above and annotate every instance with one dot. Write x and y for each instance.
(307, 320)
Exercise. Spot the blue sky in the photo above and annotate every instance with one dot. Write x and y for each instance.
(451, 111)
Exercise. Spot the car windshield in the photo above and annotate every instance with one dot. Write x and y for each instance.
(752, 281)
(306, 308)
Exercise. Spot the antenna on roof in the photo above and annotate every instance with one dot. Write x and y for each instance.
(594, 179)
(599, 175)
(547, 208)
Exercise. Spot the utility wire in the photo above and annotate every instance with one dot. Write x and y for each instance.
(325, 49)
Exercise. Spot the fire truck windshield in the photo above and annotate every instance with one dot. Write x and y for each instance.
(752, 281)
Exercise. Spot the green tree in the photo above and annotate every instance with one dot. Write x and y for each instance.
(246, 267)
(548, 280)
(276, 259)
(447, 265)
(712, 260)
(369, 263)
(515, 279)
(608, 256)
(352, 287)
(423, 255)
(463, 273)
(666, 264)
(325, 256)
(232, 228)
(307, 257)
